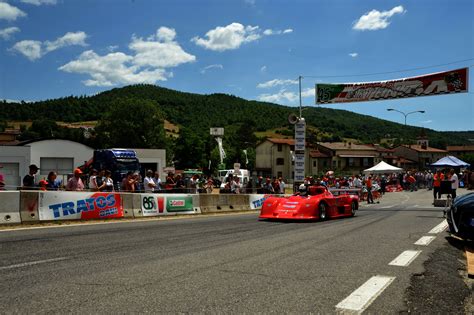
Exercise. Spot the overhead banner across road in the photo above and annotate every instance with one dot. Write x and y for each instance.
(454, 81)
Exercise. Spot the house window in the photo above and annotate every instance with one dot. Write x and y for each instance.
(279, 174)
(351, 161)
(280, 161)
(280, 147)
(365, 161)
(325, 163)
(334, 164)
(314, 163)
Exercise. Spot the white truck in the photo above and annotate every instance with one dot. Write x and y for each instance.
(224, 177)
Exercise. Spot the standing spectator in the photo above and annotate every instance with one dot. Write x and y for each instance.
(429, 180)
(437, 179)
(157, 181)
(180, 186)
(2, 180)
(170, 183)
(75, 183)
(42, 185)
(267, 187)
(193, 184)
(282, 186)
(383, 184)
(209, 185)
(148, 183)
(128, 183)
(357, 182)
(259, 184)
(29, 179)
(411, 180)
(235, 185)
(454, 183)
(108, 184)
(276, 185)
(368, 184)
(93, 180)
(52, 182)
(100, 180)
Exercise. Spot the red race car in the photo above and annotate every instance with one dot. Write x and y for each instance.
(313, 202)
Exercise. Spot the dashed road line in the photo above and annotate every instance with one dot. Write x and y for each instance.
(405, 258)
(439, 228)
(363, 296)
(387, 207)
(31, 263)
(425, 240)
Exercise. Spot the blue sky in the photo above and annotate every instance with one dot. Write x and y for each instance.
(255, 49)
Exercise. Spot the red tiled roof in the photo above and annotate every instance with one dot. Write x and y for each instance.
(418, 148)
(317, 154)
(346, 146)
(460, 148)
(282, 141)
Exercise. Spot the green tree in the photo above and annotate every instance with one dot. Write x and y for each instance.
(132, 123)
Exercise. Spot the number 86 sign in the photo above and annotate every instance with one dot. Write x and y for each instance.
(152, 204)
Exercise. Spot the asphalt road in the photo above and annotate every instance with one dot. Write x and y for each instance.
(220, 264)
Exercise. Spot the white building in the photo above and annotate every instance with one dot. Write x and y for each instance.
(61, 156)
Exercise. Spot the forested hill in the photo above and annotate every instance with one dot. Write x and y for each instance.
(199, 112)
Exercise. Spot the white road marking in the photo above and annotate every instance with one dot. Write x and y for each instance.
(363, 296)
(425, 240)
(387, 207)
(439, 228)
(405, 258)
(31, 263)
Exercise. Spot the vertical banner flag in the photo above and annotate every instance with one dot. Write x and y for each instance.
(300, 136)
(447, 82)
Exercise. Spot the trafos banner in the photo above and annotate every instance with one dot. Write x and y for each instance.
(79, 205)
(448, 82)
(167, 204)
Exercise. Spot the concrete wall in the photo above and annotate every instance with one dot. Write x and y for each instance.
(17, 155)
(60, 149)
(157, 156)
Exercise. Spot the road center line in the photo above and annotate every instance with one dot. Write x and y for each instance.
(31, 263)
(363, 296)
(387, 207)
(405, 258)
(425, 240)
(439, 228)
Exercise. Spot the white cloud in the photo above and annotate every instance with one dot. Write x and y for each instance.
(354, 54)
(284, 96)
(40, 2)
(216, 66)
(276, 82)
(159, 51)
(376, 20)
(7, 33)
(281, 96)
(9, 12)
(263, 69)
(233, 36)
(426, 121)
(33, 49)
(114, 68)
(228, 37)
(277, 32)
(112, 48)
(147, 64)
(69, 39)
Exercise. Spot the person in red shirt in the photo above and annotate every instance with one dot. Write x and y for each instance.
(437, 179)
(368, 184)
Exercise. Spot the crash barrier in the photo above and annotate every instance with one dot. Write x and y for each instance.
(35, 206)
(9, 207)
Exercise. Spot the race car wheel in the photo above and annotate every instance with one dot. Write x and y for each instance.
(353, 208)
(322, 211)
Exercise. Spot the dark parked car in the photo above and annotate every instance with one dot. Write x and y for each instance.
(460, 216)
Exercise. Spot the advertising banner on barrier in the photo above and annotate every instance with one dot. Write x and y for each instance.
(79, 205)
(166, 204)
(447, 82)
(256, 201)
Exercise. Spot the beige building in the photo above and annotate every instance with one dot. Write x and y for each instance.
(274, 157)
(349, 157)
(421, 154)
(458, 150)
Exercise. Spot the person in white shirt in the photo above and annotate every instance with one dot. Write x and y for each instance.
(93, 181)
(157, 181)
(454, 183)
(282, 186)
(148, 182)
(357, 182)
(235, 185)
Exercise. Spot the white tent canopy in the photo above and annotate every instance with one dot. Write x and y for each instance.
(383, 167)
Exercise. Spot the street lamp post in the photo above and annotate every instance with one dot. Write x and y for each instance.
(405, 114)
